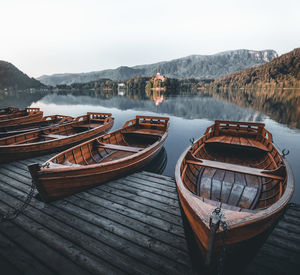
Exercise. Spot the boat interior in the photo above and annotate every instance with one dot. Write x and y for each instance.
(235, 166)
(136, 135)
(79, 125)
(46, 121)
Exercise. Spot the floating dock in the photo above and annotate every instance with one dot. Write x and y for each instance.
(132, 225)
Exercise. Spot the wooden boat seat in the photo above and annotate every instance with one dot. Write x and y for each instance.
(88, 126)
(233, 195)
(24, 141)
(119, 147)
(273, 174)
(53, 136)
(238, 141)
(148, 132)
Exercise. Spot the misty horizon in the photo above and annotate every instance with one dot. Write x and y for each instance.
(50, 37)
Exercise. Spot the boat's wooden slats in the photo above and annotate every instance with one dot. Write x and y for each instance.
(206, 182)
(229, 177)
(248, 196)
(240, 179)
(226, 190)
(230, 189)
(216, 189)
(236, 193)
(132, 225)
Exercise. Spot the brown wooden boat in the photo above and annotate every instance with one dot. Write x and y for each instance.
(232, 177)
(54, 138)
(101, 159)
(21, 116)
(8, 110)
(47, 121)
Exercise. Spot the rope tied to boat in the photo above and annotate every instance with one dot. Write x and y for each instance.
(9, 216)
(217, 219)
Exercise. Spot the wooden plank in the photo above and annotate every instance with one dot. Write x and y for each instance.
(84, 215)
(119, 147)
(145, 209)
(159, 179)
(236, 168)
(226, 190)
(53, 136)
(8, 268)
(158, 176)
(139, 185)
(146, 132)
(41, 251)
(130, 219)
(206, 182)
(152, 184)
(145, 194)
(235, 194)
(54, 230)
(216, 189)
(248, 197)
(19, 261)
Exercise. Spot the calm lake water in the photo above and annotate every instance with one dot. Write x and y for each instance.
(189, 117)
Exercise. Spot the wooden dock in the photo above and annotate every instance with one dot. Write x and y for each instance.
(128, 226)
(133, 225)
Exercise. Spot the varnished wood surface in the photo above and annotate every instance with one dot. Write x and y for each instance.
(53, 139)
(129, 226)
(210, 175)
(101, 159)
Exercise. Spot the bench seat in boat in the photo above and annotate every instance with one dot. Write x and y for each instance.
(240, 141)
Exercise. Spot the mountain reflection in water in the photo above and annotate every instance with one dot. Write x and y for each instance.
(190, 115)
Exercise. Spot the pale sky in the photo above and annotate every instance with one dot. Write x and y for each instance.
(57, 36)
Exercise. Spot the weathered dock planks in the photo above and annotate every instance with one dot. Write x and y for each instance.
(131, 225)
(280, 254)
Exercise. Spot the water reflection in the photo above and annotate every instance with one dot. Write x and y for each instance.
(189, 115)
(282, 105)
(189, 107)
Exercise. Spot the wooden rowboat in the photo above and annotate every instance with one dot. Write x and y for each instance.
(101, 159)
(232, 178)
(8, 110)
(54, 138)
(47, 121)
(21, 116)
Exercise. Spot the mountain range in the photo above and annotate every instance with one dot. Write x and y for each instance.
(193, 66)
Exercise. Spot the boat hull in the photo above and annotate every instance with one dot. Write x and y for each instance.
(23, 151)
(55, 186)
(243, 224)
(19, 117)
(78, 168)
